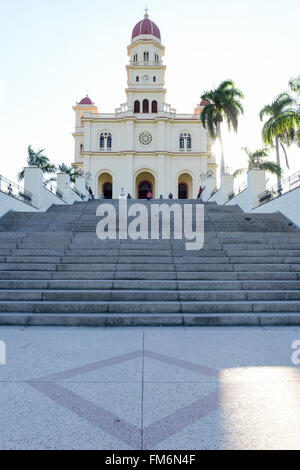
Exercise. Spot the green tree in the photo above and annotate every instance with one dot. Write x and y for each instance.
(223, 105)
(294, 134)
(38, 159)
(63, 168)
(282, 123)
(294, 84)
(256, 160)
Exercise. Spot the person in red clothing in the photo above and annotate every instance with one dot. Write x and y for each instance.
(149, 195)
(200, 192)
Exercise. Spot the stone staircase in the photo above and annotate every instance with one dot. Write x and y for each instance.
(54, 271)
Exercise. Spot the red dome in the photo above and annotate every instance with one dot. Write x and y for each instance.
(146, 26)
(86, 100)
(204, 103)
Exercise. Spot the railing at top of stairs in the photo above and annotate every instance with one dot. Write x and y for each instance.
(14, 190)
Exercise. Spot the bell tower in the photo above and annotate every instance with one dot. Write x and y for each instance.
(146, 72)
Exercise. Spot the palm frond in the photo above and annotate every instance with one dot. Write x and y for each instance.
(239, 172)
(271, 167)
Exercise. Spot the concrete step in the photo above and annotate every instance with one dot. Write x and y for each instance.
(199, 285)
(168, 307)
(158, 275)
(149, 295)
(158, 319)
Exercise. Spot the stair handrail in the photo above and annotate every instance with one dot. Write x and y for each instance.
(286, 185)
(14, 190)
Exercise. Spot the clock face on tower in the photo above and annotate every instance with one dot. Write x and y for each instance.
(145, 78)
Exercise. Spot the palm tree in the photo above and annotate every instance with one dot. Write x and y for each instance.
(38, 159)
(223, 104)
(294, 84)
(283, 121)
(63, 168)
(256, 161)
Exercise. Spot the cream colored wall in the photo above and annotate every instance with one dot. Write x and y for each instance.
(165, 169)
(126, 133)
(152, 47)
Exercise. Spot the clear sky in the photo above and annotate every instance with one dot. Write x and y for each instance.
(53, 51)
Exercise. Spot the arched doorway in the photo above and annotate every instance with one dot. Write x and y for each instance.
(107, 190)
(105, 185)
(143, 189)
(183, 191)
(185, 186)
(144, 182)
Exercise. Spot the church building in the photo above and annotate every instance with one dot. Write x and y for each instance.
(145, 144)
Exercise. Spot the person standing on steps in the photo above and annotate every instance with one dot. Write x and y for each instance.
(91, 193)
(200, 192)
(149, 195)
(171, 196)
(129, 196)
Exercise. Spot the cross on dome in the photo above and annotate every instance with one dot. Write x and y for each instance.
(146, 10)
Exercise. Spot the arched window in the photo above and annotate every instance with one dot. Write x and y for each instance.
(81, 148)
(137, 107)
(102, 141)
(189, 142)
(135, 58)
(154, 106)
(185, 141)
(146, 56)
(154, 79)
(145, 106)
(137, 79)
(181, 142)
(156, 57)
(105, 141)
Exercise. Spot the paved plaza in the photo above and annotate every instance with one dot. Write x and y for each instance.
(150, 388)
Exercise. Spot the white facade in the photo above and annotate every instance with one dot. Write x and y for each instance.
(144, 140)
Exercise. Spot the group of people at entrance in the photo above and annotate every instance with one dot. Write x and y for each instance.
(145, 193)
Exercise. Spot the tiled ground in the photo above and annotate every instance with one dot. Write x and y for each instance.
(151, 388)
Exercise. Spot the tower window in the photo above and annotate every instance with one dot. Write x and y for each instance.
(146, 56)
(156, 57)
(137, 79)
(154, 106)
(189, 142)
(181, 143)
(145, 106)
(137, 107)
(154, 79)
(185, 141)
(105, 141)
(135, 58)
(81, 148)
